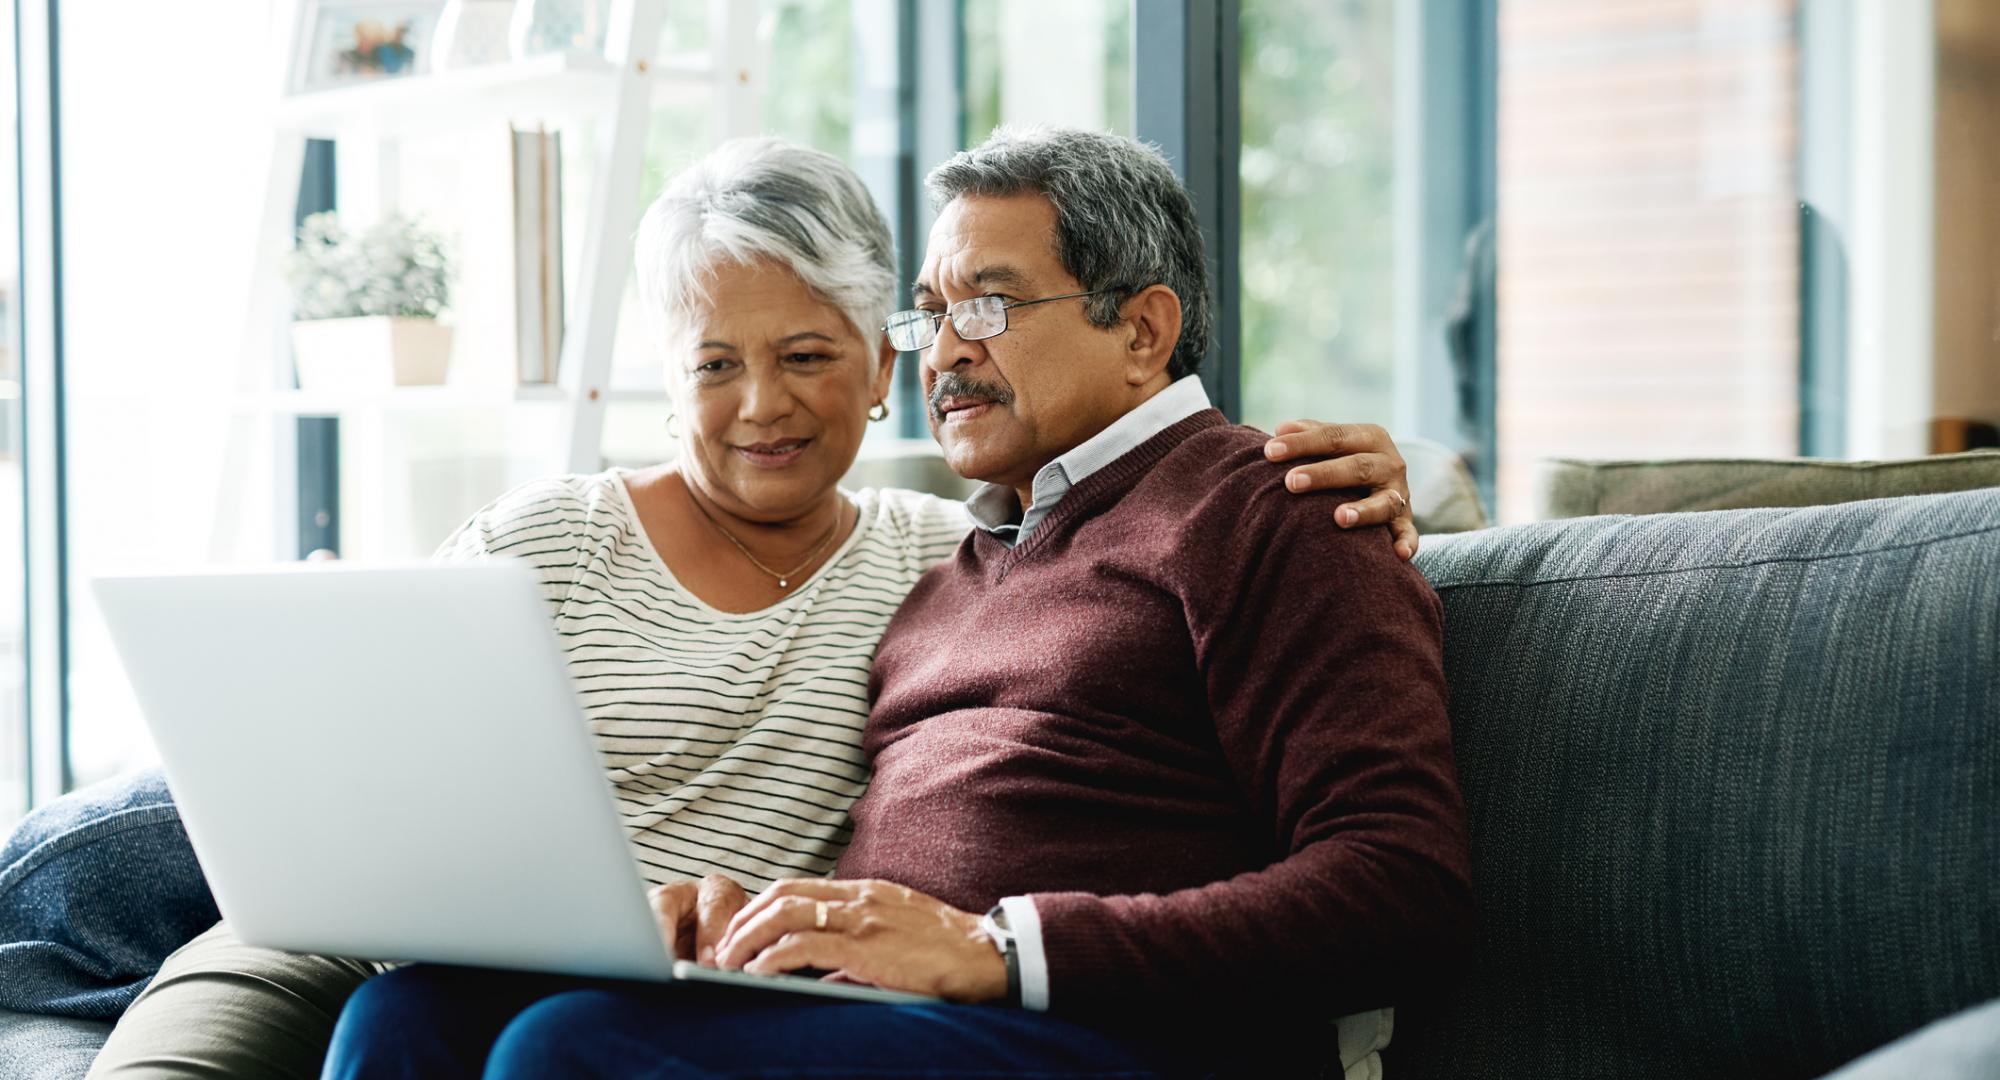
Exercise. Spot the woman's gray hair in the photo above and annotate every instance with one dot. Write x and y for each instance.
(1123, 219)
(765, 198)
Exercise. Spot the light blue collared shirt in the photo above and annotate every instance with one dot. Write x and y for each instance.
(993, 506)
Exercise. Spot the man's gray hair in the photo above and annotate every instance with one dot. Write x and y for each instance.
(764, 198)
(1123, 219)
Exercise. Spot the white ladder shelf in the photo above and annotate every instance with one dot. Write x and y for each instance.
(615, 89)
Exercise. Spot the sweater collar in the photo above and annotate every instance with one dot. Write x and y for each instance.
(1108, 484)
(996, 510)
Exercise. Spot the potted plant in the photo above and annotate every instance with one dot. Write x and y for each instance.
(367, 306)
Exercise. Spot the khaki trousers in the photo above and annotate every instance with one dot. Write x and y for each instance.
(220, 1008)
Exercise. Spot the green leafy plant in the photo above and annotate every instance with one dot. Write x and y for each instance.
(398, 267)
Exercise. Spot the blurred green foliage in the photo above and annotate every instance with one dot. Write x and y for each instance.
(1317, 173)
(983, 71)
(809, 87)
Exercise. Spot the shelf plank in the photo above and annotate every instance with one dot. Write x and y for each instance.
(423, 399)
(550, 88)
(399, 399)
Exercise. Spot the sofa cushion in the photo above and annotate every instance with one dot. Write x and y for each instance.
(1732, 780)
(1567, 487)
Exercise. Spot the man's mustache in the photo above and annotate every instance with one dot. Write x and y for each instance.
(954, 385)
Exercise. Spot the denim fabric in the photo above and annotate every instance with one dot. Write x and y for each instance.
(436, 1023)
(96, 889)
(48, 1047)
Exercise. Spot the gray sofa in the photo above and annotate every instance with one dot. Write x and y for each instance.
(1733, 781)
(1734, 787)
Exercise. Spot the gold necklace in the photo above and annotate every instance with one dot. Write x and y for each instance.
(784, 579)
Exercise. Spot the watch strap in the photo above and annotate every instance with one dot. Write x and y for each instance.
(1002, 936)
(1012, 954)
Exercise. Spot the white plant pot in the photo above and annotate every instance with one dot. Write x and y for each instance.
(369, 353)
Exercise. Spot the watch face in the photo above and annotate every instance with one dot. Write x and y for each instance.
(994, 925)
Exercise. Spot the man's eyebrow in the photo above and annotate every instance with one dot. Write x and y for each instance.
(985, 277)
(999, 275)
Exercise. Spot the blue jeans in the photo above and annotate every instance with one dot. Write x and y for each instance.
(96, 889)
(441, 1022)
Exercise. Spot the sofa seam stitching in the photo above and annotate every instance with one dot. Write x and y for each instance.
(1981, 457)
(1774, 561)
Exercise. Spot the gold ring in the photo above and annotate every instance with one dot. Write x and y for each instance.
(1402, 504)
(819, 914)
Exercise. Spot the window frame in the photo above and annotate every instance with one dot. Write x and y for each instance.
(45, 560)
(1186, 97)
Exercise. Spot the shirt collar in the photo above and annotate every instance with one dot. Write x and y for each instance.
(996, 509)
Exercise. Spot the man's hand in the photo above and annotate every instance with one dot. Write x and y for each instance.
(873, 932)
(692, 915)
(1356, 456)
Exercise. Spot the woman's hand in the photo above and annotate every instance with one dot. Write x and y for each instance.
(1356, 456)
(692, 915)
(873, 932)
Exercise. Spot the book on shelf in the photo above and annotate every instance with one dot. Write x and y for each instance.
(509, 294)
(538, 269)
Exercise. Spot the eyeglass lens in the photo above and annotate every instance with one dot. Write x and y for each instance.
(973, 319)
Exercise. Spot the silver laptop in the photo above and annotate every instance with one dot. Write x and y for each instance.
(391, 763)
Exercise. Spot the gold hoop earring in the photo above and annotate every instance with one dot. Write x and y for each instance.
(879, 412)
(671, 433)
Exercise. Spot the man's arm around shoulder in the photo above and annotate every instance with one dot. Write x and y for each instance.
(1322, 655)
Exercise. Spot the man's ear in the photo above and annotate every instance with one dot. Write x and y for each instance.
(1154, 316)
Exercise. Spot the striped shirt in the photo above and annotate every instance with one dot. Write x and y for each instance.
(732, 741)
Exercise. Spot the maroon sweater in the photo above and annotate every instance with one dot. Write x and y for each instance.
(1200, 725)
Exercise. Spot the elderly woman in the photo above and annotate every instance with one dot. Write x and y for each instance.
(721, 611)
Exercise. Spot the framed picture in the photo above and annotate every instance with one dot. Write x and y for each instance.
(344, 42)
(543, 26)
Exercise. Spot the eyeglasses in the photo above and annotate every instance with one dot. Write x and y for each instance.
(973, 319)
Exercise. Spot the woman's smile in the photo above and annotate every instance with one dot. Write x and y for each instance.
(773, 454)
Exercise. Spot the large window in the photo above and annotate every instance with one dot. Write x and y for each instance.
(1648, 233)
(1596, 228)
(1637, 252)
(159, 190)
(1318, 170)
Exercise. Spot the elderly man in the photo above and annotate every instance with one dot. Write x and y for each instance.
(1131, 776)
